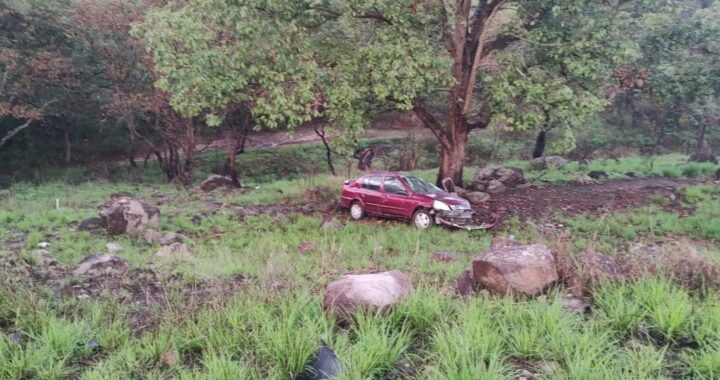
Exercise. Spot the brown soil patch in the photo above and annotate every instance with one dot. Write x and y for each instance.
(540, 203)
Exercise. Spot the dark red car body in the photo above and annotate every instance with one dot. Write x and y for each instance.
(390, 194)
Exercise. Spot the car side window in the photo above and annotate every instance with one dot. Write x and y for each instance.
(392, 185)
(371, 183)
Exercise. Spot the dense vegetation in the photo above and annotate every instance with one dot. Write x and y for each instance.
(88, 80)
(149, 97)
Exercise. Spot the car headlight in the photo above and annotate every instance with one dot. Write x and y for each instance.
(462, 207)
(440, 206)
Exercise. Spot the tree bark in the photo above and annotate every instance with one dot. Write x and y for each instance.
(328, 152)
(231, 165)
(540, 144)
(68, 147)
(452, 159)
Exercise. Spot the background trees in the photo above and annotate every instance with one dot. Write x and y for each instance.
(458, 65)
(146, 76)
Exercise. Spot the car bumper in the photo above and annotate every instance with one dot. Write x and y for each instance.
(458, 218)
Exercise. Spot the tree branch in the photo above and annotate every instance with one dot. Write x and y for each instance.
(431, 123)
(484, 18)
(26, 124)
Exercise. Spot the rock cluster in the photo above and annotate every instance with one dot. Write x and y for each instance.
(490, 181)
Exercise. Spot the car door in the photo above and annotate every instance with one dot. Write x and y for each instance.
(396, 199)
(371, 194)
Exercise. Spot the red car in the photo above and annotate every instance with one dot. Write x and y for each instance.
(393, 195)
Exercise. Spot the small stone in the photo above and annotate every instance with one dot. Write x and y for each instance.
(152, 236)
(43, 245)
(113, 247)
(597, 174)
(307, 246)
(173, 250)
(197, 219)
(572, 304)
(169, 359)
(16, 338)
(92, 225)
(99, 262)
(442, 256)
(466, 283)
(92, 345)
(170, 238)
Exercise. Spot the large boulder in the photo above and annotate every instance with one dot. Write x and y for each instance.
(542, 163)
(373, 292)
(487, 178)
(525, 269)
(127, 215)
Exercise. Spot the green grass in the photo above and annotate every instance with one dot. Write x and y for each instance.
(271, 325)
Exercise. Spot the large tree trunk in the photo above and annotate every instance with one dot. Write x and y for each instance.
(231, 168)
(540, 144)
(452, 158)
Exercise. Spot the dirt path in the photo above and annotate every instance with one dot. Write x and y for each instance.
(278, 139)
(539, 203)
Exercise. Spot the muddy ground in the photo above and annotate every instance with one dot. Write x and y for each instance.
(542, 203)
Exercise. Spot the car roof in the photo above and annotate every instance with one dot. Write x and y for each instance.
(381, 172)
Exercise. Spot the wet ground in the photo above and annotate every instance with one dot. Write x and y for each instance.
(539, 203)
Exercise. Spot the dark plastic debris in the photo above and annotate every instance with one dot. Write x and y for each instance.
(16, 338)
(325, 365)
(92, 344)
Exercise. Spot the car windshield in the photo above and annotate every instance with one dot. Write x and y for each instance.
(421, 186)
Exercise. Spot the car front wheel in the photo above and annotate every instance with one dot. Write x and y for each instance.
(422, 219)
(356, 210)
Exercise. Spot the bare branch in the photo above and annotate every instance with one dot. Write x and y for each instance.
(487, 17)
(431, 123)
(26, 124)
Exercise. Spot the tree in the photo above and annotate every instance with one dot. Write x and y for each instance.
(132, 98)
(345, 61)
(39, 72)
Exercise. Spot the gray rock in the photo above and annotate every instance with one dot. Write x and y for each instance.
(170, 238)
(126, 215)
(442, 256)
(173, 250)
(324, 366)
(91, 225)
(216, 181)
(542, 163)
(94, 263)
(572, 304)
(367, 292)
(525, 269)
(485, 174)
(495, 187)
(113, 247)
(466, 283)
(510, 176)
(477, 197)
(151, 236)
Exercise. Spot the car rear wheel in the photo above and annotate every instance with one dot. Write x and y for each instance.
(422, 219)
(356, 210)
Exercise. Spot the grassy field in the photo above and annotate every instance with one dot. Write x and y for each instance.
(247, 302)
